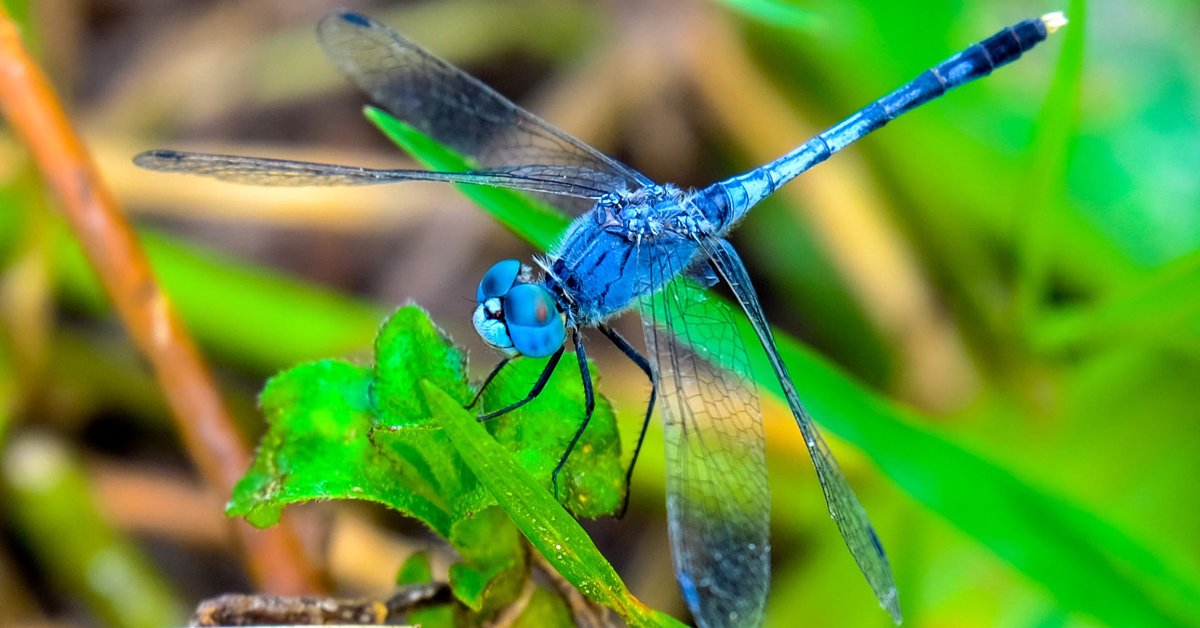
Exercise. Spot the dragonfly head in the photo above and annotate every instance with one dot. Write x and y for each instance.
(517, 316)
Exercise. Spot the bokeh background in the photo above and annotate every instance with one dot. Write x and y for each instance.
(1000, 291)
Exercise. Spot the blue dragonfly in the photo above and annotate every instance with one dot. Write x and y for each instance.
(633, 244)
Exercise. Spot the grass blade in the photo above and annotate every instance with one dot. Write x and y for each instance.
(1048, 172)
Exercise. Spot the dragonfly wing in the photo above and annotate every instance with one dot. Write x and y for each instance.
(843, 504)
(288, 173)
(718, 502)
(461, 112)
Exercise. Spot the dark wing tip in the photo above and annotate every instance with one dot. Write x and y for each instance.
(357, 19)
(149, 159)
(338, 27)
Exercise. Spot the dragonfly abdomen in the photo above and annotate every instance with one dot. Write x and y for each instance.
(743, 191)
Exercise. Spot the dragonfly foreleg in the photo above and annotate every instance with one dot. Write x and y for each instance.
(533, 392)
(589, 404)
(488, 380)
(643, 364)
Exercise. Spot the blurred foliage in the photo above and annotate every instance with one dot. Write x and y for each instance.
(1019, 354)
(48, 497)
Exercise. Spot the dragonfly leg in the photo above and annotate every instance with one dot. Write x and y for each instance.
(488, 380)
(643, 364)
(589, 397)
(533, 392)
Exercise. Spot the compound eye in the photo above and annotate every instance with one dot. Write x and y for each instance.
(498, 279)
(534, 323)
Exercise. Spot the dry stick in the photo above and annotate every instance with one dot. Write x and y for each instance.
(275, 557)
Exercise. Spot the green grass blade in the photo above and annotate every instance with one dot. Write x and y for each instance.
(549, 528)
(534, 221)
(775, 13)
(1046, 190)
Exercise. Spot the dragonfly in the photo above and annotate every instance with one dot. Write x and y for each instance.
(633, 244)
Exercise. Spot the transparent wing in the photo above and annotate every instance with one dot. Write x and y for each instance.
(718, 503)
(283, 172)
(461, 112)
(844, 507)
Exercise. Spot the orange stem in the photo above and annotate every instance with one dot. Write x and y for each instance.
(275, 557)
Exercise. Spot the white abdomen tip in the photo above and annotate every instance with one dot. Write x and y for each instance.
(1054, 21)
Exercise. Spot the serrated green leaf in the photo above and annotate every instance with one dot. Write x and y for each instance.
(317, 447)
(338, 430)
(410, 347)
(549, 528)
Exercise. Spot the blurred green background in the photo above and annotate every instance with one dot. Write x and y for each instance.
(1000, 291)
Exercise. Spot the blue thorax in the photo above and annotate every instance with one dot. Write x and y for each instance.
(628, 246)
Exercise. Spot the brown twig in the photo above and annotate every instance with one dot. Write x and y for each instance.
(275, 610)
(275, 557)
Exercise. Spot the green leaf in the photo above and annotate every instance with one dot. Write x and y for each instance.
(544, 609)
(549, 528)
(415, 570)
(410, 347)
(317, 447)
(338, 430)
(496, 568)
(441, 616)
(343, 431)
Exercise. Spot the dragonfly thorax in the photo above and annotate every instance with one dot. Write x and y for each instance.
(650, 212)
(625, 248)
